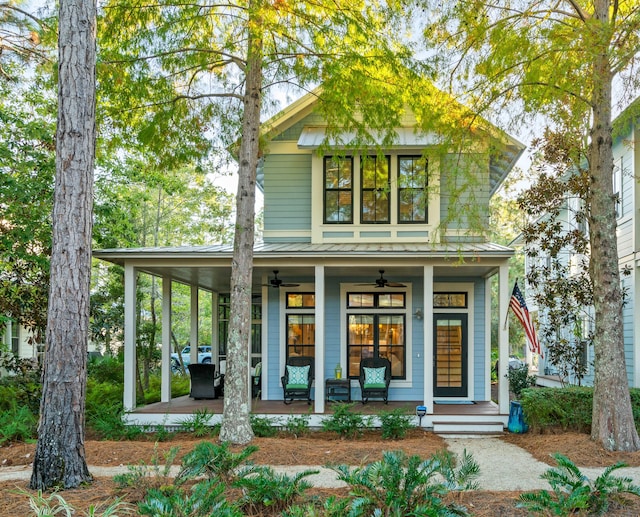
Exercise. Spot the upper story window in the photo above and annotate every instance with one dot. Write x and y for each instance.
(338, 190)
(412, 189)
(375, 189)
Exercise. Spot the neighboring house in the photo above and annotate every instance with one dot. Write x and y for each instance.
(353, 265)
(19, 340)
(626, 154)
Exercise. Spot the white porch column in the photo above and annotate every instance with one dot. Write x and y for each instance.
(503, 341)
(320, 344)
(129, 398)
(165, 369)
(193, 325)
(215, 342)
(487, 337)
(427, 323)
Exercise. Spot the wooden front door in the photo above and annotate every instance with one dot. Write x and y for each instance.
(450, 355)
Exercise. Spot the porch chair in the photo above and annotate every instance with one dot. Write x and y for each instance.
(297, 378)
(202, 381)
(374, 378)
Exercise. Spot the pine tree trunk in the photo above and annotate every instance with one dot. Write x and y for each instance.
(236, 426)
(613, 423)
(60, 456)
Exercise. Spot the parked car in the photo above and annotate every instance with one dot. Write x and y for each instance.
(204, 356)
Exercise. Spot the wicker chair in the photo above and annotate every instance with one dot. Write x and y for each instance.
(375, 388)
(202, 381)
(299, 388)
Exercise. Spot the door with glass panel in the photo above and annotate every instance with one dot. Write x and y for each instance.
(450, 355)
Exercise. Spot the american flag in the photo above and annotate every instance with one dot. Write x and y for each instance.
(519, 307)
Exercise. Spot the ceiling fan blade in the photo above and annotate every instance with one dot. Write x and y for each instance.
(394, 284)
(289, 285)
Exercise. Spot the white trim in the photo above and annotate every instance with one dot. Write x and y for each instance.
(298, 234)
(467, 287)
(487, 338)
(427, 322)
(320, 339)
(193, 324)
(408, 311)
(165, 369)
(503, 340)
(129, 396)
(358, 231)
(265, 339)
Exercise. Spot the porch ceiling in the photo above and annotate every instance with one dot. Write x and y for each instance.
(209, 267)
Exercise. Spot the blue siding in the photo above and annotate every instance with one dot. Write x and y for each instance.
(287, 192)
(415, 341)
(464, 190)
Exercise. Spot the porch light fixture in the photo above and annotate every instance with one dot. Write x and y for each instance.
(418, 314)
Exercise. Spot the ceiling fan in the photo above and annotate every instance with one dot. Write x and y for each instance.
(383, 282)
(277, 283)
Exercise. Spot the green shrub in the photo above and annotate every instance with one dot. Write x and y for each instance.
(569, 408)
(402, 485)
(263, 427)
(573, 492)
(344, 421)
(263, 488)
(17, 423)
(198, 423)
(519, 379)
(106, 369)
(213, 460)
(297, 425)
(205, 499)
(395, 423)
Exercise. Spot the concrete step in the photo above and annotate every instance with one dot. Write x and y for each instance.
(468, 427)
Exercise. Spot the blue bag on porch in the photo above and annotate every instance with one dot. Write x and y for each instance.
(516, 418)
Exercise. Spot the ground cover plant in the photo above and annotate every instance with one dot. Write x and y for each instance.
(572, 492)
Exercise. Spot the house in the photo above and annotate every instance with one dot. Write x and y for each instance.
(356, 263)
(20, 341)
(626, 155)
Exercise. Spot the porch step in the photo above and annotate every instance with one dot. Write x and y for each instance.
(468, 427)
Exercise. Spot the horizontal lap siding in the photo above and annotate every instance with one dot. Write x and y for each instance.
(287, 192)
(464, 191)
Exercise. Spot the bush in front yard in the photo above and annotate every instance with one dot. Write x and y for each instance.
(568, 408)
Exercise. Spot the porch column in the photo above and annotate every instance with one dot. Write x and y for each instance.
(320, 344)
(215, 342)
(165, 369)
(129, 397)
(503, 341)
(427, 323)
(193, 325)
(487, 337)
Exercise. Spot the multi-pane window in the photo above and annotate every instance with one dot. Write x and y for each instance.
(375, 329)
(412, 189)
(338, 190)
(301, 324)
(375, 189)
(224, 311)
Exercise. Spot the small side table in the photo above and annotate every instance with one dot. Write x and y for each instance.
(337, 390)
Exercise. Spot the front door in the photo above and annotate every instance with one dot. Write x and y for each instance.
(450, 355)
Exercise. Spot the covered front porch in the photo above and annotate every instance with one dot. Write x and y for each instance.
(475, 417)
(431, 286)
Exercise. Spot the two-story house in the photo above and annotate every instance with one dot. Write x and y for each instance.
(626, 170)
(356, 263)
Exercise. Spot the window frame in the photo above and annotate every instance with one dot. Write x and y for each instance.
(378, 191)
(338, 189)
(423, 191)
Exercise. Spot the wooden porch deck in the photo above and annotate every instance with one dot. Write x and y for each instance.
(477, 417)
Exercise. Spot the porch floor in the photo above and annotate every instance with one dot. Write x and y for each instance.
(186, 405)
